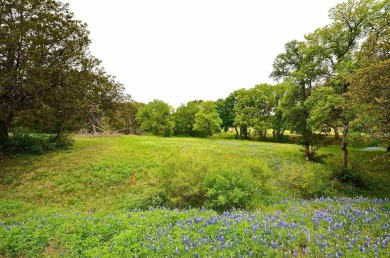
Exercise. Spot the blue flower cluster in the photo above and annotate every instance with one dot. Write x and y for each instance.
(324, 227)
(339, 227)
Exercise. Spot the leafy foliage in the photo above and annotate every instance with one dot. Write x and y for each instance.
(180, 182)
(227, 189)
(122, 117)
(225, 108)
(49, 79)
(370, 91)
(25, 142)
(207, 120)
(307, 182)
(156, 117)
(184, 118)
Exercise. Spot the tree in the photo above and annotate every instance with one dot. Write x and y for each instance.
(325, 107)
(156, 118)
(254, 108)
(278, 120)
(65, 106)
(369, 86)
(243, 109)
(301, 66)
(184, 118)
(264, 107)
(370, 92)
(207, 120)
(122, 117)
(49, 79)
(225, 108)
(338, 43)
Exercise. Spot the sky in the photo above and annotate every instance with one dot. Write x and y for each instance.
(181, 50)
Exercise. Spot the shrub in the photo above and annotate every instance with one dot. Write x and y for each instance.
(306, 180)
(229, 188)
(178, 183)
(24, 142)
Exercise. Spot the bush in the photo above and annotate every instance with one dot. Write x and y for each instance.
(178, 183)
(306, 180)
(24, 142)
(229, 188)
(190, 180)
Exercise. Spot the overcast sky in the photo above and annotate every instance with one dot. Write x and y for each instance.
(179, 50)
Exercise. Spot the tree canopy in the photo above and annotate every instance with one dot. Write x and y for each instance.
(207, 120)
(156, 118)
(49, 79)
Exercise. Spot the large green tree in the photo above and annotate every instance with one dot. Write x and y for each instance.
(370, 91)
(156, 117)
(278, 120)
(353, 23)
(243, 109)
(254, 109)
(264, 107)
(48, 78)
(225, 108)
(207, 120)
(122, 116)
(369, 86)
(325, 107)
(301, 66)
(184, 118)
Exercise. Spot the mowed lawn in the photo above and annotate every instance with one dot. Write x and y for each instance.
(100, 173)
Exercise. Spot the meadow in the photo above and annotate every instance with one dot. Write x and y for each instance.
(146, 196)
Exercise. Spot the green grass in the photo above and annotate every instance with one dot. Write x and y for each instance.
(45, 200)
(100, 173)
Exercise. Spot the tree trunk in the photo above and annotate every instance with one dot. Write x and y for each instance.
(388, 148)
(260, 134)
(237, 134)
(244, 132)
(345, 128)
(3, 132)
(336, 133)
(308, 152)
(344, 148)
(307, 142)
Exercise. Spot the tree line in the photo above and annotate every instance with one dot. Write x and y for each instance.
(336, 79)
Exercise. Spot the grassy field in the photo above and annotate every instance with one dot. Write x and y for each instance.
(55, 196)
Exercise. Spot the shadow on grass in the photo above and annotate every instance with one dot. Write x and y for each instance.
(35, 144)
